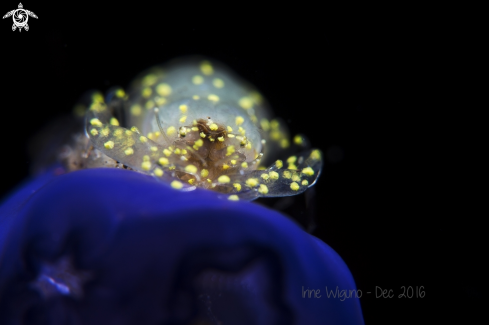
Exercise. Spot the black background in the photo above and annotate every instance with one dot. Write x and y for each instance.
(370, 87)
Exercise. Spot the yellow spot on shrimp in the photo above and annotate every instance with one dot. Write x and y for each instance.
(171, 130)
(206, 68)
(147, 92)
(273, 175)
(95, 122)
(93, 132)
(183, 108)
(163, 89)
(114, 121)
(204, 173)
(191, 169)
(246, 103)
(158, 172)
(129, 151)
(218, 83)
(197, 80)
(213, 98)
(146, 165)
(136, 110)
(176, 185)
(143, 139)
(308, 171)
(305, 182)
(183, 119)
(237, 186)
(224, 179)
(163, 161)
(294, 186)
(263, 189)
(109, 145)
(213, 127)
(239, 120)
(279, 164)
(252, 182)
(233, 197)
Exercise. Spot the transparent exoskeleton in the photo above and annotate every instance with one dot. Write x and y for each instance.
(193, 123)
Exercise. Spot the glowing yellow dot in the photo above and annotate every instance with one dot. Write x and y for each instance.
(167, 152)
(191, 169)
(279, 164)
(183, 131)
(145, 158)
(163, 89)
(120, 93)
(244, 164)
(296, 178)
(237, 186)
(128, 132)
(191, 181)
(241, 131)
(308, 171)
(248, 145)
(264, 176)
(143, 139)
(213, 127)
(263, 189)
(183, 119)
(233, 162)
(211, 139)
(158, 172)
(176, 185)
(150, 136)
(183, 108)
(171, 130)
(225, 166)
(231, 135)
(93, 132)
(206, 68)
(233, 197)
(218, 83)
(252, 182)
(291, 159)
(149, 80)
(291, 166)
(213, 98)
(246, 103)
(305, 182)
(294, 186)
(105, 132)
(136, 110)
(163, 161)
(230, 129)
(118, 132)
(204, 173)
(149, 104)
(298, 140)
(239, 120)
(274, 124)
(146, 165)
(184, 152)
(316, 154)
(129, 151)
(230, 150)
(153, 148)
(221, 139)
(197, 80)
(194, 128)
(256, 97)
(273, 175)
(109, 145)
(199, 143)
(160, 101)
(147, 92)
(195, 97)
(114, 121)
(284, 143)
(95, 122)
(135, 129)
(223, 179)
(287, 174)
(202, 134)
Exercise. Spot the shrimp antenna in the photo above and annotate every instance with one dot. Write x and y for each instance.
(156, 110)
